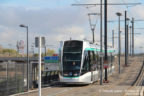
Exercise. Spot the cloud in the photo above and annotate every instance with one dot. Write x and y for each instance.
(46, 22)
(9, 36)
(55, 23)
(138, 11)
(74, 32)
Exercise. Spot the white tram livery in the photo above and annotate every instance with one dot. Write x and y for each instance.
(80, 62)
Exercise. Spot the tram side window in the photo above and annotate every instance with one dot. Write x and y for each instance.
(92, 60)
(91, 57)
(95, 56)
(86, 65)
(97, 62)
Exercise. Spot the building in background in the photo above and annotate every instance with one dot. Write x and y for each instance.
(20, 47)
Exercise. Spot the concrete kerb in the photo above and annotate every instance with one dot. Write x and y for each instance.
(31, 91)
(24, 92)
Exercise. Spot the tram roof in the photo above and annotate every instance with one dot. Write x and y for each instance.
(93, 45)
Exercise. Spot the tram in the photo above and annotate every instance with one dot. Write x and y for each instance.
(80, 62)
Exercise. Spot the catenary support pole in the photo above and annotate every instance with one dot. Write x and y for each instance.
(39, 82)
(125, 38)
(130, 45)
(93, 35)
(119, 39)
(127, 44)
(105, 40)
(101, 59)
(113, 38)
(132, 36)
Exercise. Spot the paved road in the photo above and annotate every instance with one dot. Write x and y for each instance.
(91, 90)
(119, 85)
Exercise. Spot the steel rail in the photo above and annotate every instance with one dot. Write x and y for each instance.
(138, 81)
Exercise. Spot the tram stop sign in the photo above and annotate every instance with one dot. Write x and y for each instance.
(42, 42)
(51, 59)
(51, 63)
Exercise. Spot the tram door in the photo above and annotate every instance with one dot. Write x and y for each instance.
(92, 74)
(91, 56)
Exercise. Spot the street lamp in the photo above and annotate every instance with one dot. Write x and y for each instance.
(22, 25)
(119, 39)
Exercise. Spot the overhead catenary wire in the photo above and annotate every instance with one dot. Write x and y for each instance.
(127, 7)
(93, 20)
(116, 4)
(78, 2)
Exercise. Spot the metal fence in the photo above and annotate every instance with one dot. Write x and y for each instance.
(12, 77)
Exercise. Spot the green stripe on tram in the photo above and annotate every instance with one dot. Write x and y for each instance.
(93, 49)
(72, 77)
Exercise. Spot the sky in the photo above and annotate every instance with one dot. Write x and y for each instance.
(58, 20)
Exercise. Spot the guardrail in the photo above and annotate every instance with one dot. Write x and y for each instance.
(48, 78)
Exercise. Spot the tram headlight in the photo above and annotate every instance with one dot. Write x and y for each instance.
(75, 74)
(65, 74)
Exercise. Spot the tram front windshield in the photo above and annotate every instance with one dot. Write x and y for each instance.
(72, 53)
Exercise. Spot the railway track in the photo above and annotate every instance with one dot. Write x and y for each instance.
(139, 79)
(138, 82)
